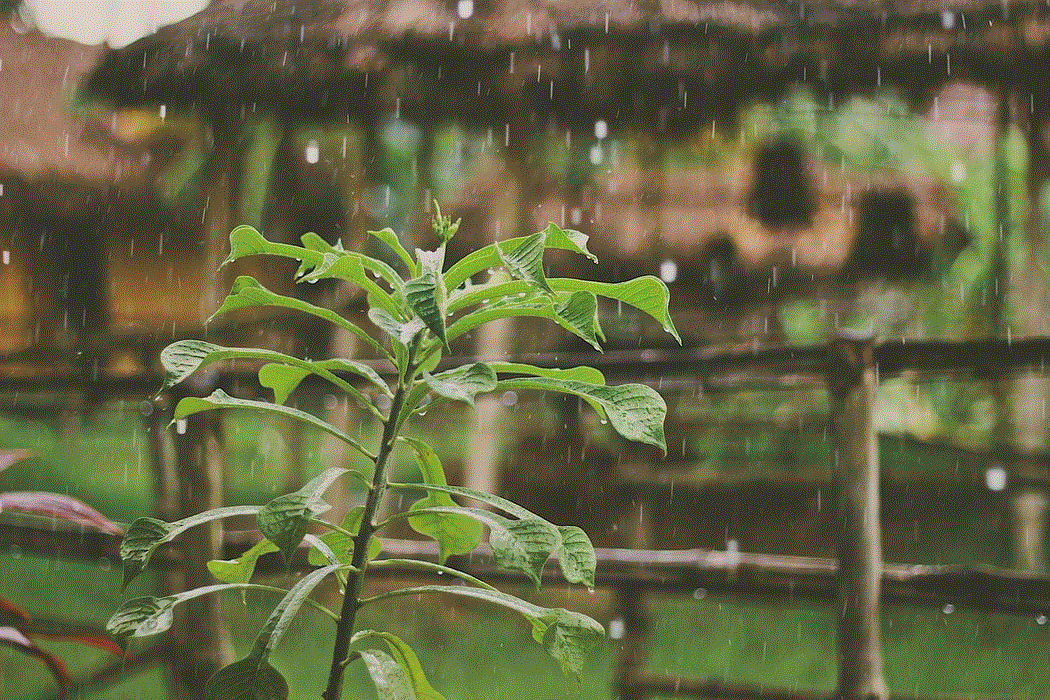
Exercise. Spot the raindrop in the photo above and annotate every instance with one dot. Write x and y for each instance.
(104, 563)
(596, 154)
(180, 426)
(700, 593)
(163, 112)
(958, 171)
(576, 216)
(617, 628)
(1041, 620)
(948, 609)
(669, 271)
(586, 60)
(146, 408)
(948, 19)
(15, 552)
(601, 129)
(313, 152)
(7, 257)
(465, 9)
(509, 398)
(995, 478)
(330, 402)
(383, 402)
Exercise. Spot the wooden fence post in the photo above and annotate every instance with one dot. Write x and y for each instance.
(851, 383)
(200, 634)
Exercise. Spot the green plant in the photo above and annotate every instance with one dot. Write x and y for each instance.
(420, 317)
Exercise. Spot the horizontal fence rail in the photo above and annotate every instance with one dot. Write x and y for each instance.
(711, 368)
(668, 571)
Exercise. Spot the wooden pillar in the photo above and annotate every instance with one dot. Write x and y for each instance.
(1028, 506)
(156, 414)
(851, 384)
(635, 614)
(200, 634)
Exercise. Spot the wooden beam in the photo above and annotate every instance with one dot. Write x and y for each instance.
(763, 576)
(855, 462)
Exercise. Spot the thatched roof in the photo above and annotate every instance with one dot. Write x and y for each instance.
(41, 140)
(668, 64)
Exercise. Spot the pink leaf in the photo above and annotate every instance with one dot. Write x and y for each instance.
(56, 505)
(9, 457)
(11, 614)
(9, 636)
(98, 640)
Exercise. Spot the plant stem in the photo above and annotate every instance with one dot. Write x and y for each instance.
(352, 597)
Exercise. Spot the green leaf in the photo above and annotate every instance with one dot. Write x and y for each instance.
(343, 546)
(576, 556)
(219, 399)
(588, 375)
(245, 241)
(524, 259)
(547, 308)
(647, 294)
(462, 383)
(390, 238)
(241, 569)
(408, 661)
(390, 680)
(522, 545)
(282, 615)
(425, 295)
(184, 357)
(568, 239)
(455, 534)
(350, 267)
(373, 265)
(487, 498)
(568, 636)
(285, 519)
(247, 292)
(402, 333)
(484, 258)
(147, 616)
(579, 315)
(146, 534)
(572, 546)
(635, 411)
(282, 380)
(339, 364)
(247, 679)
(141, 617)
(523, 607)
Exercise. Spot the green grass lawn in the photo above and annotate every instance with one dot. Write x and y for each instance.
(473, 652)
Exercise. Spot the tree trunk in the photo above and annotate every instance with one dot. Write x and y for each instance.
(851, 381)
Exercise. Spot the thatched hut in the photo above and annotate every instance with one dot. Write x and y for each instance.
(66, 185)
